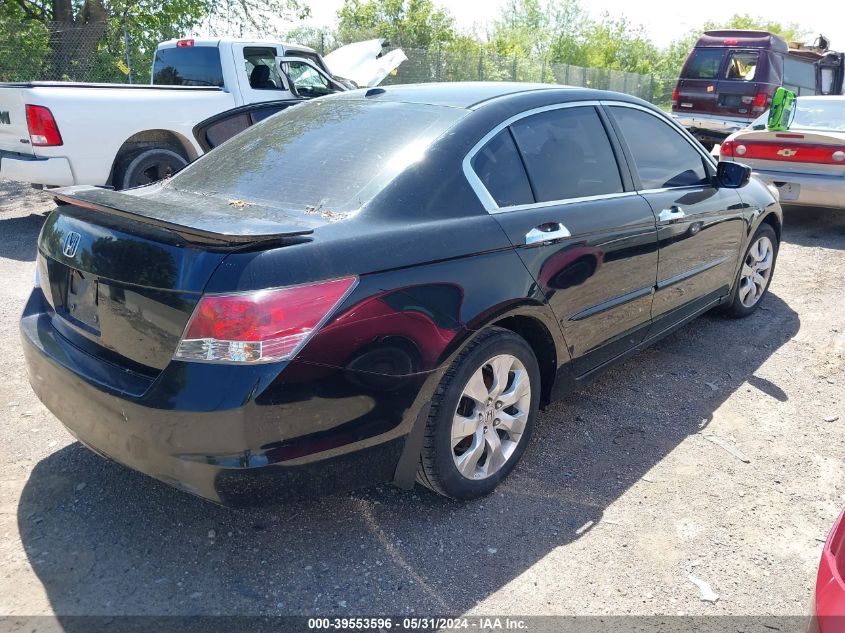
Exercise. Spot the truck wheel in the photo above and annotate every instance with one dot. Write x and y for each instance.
(148, 166)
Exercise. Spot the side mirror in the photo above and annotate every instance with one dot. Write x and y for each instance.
(732, 175)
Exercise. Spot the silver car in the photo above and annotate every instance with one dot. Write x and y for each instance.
(805, 163)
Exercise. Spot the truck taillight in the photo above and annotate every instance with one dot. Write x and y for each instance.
(43, 131)
(675, 93)
(761, 101)
(262, 326)
(184, 43)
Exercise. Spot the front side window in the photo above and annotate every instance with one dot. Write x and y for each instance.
(500, 170)
(703, 63)
(742, 65)
(663, 158)
(567, 154)
(306, 79)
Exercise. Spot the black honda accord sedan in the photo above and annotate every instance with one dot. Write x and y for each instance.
(383, 285)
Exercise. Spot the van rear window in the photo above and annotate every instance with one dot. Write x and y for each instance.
(188, 66)
(703, 63)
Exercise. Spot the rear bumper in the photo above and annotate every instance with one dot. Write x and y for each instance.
(51, 172)
(712, 123)
(236, 455)
(815, 190)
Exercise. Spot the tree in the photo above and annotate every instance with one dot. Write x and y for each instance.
(77, 27)
(406, 23)
(617, 44)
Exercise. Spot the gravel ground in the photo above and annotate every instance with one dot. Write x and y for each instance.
(622, 494)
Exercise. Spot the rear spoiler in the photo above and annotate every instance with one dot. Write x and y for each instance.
(196, 217)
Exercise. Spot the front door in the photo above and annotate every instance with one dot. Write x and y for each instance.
(589, 242)
(699, 225)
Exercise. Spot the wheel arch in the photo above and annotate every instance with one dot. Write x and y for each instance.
(148, 139)
(538, 337)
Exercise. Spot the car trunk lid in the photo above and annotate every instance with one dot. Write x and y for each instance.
(799, 151)
(123, 273)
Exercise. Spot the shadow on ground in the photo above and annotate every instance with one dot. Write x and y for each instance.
(19, 236)
(814, 227)
(105, 540)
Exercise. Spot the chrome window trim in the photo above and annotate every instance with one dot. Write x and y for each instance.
(484, 196)
(492, 207)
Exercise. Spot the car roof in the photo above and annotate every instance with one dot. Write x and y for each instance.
(216, 41)
(473, 94)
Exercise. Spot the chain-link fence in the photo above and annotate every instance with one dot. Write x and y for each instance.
(105, 52)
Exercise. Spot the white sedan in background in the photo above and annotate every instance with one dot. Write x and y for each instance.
(807, 162)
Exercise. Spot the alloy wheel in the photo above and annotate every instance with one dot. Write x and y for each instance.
(756, 271)
(491, 416)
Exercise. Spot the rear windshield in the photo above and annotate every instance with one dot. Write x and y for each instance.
(188, 66)
(823, 113)
(322, 156)
(703, 63)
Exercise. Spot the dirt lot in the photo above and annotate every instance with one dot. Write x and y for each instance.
(619, 498)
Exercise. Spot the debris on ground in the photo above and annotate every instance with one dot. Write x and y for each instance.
(733, 450)
(707, 593)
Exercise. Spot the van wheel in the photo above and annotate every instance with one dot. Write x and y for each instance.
(149, 166)
(482, 416)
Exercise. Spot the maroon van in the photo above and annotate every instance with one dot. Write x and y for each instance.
(730, 77)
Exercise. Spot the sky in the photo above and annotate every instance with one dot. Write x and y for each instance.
(662, 24)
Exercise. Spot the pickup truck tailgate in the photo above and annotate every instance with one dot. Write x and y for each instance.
(14, 135)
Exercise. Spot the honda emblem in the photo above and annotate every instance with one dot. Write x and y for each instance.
(71, 244)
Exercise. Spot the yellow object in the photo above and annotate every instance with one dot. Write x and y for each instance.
(122, 67)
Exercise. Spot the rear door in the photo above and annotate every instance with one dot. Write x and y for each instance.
(697, 84)
(699, 226)
(740, 80)
(552, 179)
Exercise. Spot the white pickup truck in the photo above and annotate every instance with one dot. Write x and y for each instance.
(60, 133)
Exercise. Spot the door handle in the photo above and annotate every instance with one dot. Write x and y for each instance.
(548, 232)
(670, 214)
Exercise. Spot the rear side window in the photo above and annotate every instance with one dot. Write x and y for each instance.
(799, 76)
(567, 154)
(500, 169)
(662, 156)
(188, 66)
(742, 65)
(703, 63)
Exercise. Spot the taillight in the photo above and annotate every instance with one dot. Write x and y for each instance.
(184, 43)
(761, 101)
(727, 148)
(43, 131)
(675, 93)
(267, 325)
(790, 152)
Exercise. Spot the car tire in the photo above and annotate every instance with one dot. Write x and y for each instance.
(470, 405)
(755, 273)
(149, 166)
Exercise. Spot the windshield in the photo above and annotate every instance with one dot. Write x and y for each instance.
(323, 156)
(821, 113)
